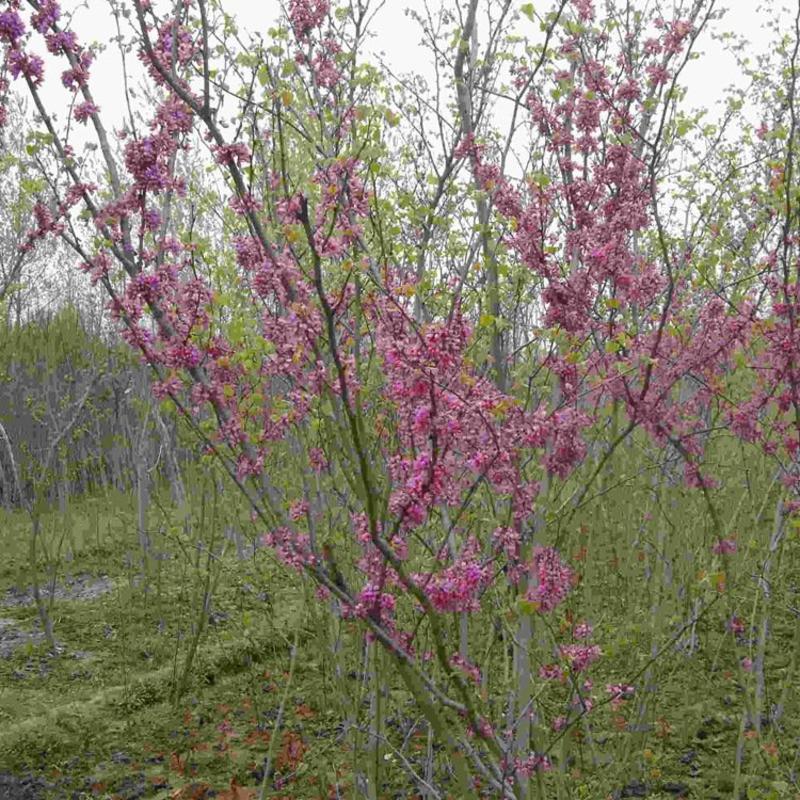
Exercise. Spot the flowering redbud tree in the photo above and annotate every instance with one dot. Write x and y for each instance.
(406, 330)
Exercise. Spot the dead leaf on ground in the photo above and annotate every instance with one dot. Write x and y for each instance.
(237, 792)
(305, 712)
(192, 791)
(292, 751)
(257, 737)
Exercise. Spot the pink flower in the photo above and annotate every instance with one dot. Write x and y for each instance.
(317, 460)
(294, 549)
(47, 15)
(579, 656)
(298, 510)
(678, 31)
(245, 205)
(325, 72)
(305, 15)
(97, 268)
(619, 692)
(724, 547)
(61, 42)
(163, 389)
(485, 728)
(551, 672)
(30, 66)
(582, 704)
(552, 579)
(11, 27)
(225, 727)
(457, 587)
(582, 630)
(229, 154)
(77, 192)
(736, 626)
(78, 76)
(585, 9)
(657, 74)
(84, 110)
(533, 763)
(372, 603)
(467, 667)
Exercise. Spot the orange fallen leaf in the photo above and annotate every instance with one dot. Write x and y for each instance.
(292, 751)
(176, 764)
(192, 791)
(770, 749)
(305, 712)
(664, 728)
(237, 792)
(258, 737)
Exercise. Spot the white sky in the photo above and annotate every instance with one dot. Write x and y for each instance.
(398, 37)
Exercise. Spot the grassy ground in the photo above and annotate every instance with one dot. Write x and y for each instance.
(120, 712)
(101, 718)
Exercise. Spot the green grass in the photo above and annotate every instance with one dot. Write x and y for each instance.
(69, 715)
(108, 723)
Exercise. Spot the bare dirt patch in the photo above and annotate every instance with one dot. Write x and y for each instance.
(77, 587)
(83, 588)
(11, 637)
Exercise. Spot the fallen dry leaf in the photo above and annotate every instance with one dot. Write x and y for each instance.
(192, 791)
(237, 792)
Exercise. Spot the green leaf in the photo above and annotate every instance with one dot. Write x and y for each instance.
(527, 607)
(527, 10)
(541, 180)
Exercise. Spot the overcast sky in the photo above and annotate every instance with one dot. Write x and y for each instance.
(398, 36)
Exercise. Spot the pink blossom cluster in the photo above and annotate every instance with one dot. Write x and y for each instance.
(736, 626)
(724, 547)
(551, 579)
(579, 656)
(306, 15)
(12, 28)
(551, 672)
(619, 693)
(174, 49)
(375, 604)
(292, 547)
(532, 764)
(457, 587)
(467, 667)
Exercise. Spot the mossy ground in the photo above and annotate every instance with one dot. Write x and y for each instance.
(101, 718)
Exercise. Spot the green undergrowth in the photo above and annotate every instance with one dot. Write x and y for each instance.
(120, 681)
(137, 704)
